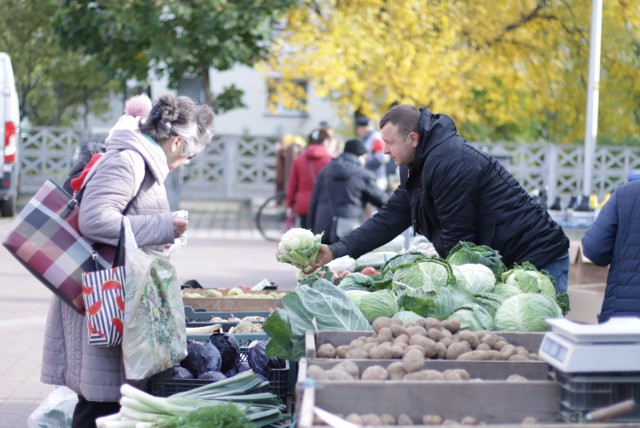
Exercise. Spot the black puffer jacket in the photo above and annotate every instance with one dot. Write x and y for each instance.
(453, 192)
(342, 188)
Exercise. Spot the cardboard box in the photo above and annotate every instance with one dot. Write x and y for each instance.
(585, 301)
(581, 270)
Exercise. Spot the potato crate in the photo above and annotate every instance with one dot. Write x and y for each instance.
(162, 385)
(585, 392)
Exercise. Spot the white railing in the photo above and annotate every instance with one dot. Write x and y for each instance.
(243, 167)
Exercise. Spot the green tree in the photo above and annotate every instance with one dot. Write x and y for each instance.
(131, 38)
(55, 86)
(514, 70)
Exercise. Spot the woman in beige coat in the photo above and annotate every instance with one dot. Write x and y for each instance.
(140, 154)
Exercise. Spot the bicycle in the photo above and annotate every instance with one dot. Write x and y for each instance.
(271, 217)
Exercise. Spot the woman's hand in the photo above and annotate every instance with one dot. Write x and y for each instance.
(179, 226)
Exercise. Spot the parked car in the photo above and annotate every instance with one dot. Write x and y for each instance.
(9, 138)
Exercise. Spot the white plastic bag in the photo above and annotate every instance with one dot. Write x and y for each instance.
(154, 337)
(56, 411)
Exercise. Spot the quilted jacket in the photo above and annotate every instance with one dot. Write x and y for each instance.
(614, 239)
(132, 162)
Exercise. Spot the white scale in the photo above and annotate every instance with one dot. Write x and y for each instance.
(613, 346)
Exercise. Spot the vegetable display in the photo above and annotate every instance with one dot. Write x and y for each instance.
(471, 286)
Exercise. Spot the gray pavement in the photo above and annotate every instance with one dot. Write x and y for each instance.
(223, 250)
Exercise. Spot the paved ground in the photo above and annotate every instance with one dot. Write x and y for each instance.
(223, 250)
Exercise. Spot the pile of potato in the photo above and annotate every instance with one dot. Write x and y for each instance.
(400, 370)
(371, 419)
(426, 338)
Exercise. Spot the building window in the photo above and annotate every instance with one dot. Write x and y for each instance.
(287, 98)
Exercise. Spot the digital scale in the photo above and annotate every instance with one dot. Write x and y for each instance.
(613, 346)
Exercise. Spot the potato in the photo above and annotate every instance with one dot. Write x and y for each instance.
(416, 347)
(424, 375)
(357, 354)
(479, 356)
(508, 351)
(341, 351)
(398, 330)
(499, 345)
(533, 356)
(380, 322)
(442, 351)
(431, 322)
(388, 419)
(432, 419)
(416, 330)
(452, 325)
(470, 337)
(354, 418)
(446, 341)
(516, 378)
(522, 350)
(396, 322)
(368, 346)
(529, 420)
(356, 343)
(384, 335)
(316, 372)
(371, 419)
(456, 349)
(404, 419)
(337, 373)
(403, 338)
(413, 360)
(375, 373)
(425, 343)
(518, 357)
(396, 370)
(489, 339)
(434, 334)
(469, 420)
(445, 332)
(450, 422)
(326, 351)
(483, 347)
(397, 351)
(451, 375)
(350, 367)
(463, 374)
(381, 352)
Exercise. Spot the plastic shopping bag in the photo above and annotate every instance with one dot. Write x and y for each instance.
(56, 411)
(154, 337)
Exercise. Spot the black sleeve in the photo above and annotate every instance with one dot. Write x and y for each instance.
(372, 193)
(390, 221)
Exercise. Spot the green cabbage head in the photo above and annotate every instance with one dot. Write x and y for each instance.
(526, 312)
(376, 304)
(474, 277)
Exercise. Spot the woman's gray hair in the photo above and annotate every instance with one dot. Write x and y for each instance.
(180, 116)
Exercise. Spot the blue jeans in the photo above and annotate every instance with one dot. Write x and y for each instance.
(559, 270)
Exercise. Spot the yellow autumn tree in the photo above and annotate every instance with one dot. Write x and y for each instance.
(502, 70)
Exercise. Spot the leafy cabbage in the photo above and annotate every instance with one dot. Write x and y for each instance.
(468, 252)
(356, 295)
(383, 303)
(528, 279)
(402, 260)
(439, 303)
(474, 277)
(406, 317)
(428, 275)
(526, 312)
(473, 317)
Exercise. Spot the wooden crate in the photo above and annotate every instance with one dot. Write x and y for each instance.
(232, 304)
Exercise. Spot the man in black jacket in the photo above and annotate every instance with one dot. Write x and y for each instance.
(452, 192)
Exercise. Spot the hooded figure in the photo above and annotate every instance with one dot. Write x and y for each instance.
(342, 190)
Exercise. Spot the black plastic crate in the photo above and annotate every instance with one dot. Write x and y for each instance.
(162, 385)
(585, 392)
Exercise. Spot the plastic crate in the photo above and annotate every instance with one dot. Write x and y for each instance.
(162, 385)
(585, 392)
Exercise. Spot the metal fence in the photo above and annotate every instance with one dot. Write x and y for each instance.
(243, 167)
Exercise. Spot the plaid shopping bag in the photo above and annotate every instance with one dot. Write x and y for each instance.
(103, 295)
(45, 238)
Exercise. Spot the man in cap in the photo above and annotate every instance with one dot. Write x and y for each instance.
(377, 160)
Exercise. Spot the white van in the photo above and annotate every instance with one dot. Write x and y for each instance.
(9, 136)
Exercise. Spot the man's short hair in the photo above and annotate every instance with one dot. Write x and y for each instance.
(405, 117)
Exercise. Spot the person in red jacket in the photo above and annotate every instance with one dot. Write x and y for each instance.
(303, 174)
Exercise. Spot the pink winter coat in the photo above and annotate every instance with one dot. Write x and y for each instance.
(303, 175)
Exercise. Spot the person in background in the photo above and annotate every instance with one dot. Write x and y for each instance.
(451, 192)
(343, 189)
(304, 172)
(613, 239)
(333, 146)
(377, 160)
(140, 153)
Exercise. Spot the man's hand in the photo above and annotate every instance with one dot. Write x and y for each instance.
(324, 256)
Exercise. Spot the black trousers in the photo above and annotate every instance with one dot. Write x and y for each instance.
(86, 412)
